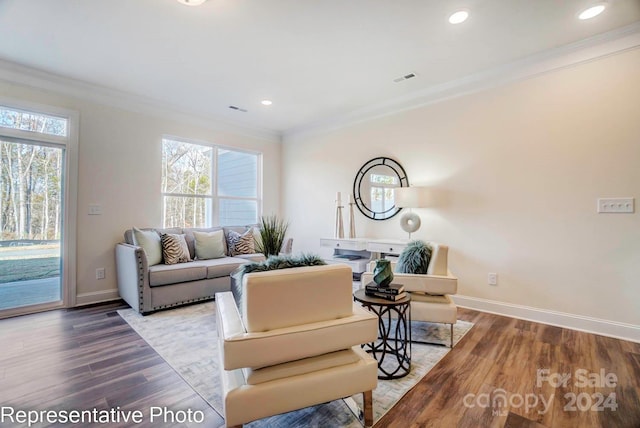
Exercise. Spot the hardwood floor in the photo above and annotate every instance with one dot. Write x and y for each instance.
(500, 357)
(89, 357)
(85, 358)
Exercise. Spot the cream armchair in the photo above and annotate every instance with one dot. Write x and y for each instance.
(294, 342)
(430, 300)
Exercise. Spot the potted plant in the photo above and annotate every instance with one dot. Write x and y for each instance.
(272, 232)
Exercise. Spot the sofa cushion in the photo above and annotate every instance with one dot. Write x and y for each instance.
(172, 274)
(209, 245)
(255, 257)
(217, 268)
(149, 240)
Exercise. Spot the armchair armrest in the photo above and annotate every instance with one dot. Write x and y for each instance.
(132, 271)
(241, 349)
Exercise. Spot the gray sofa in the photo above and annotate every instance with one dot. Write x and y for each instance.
(150, 288)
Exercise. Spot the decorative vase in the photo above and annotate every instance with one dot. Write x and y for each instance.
(382, 274)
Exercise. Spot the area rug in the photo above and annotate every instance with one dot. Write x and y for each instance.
(193, 329)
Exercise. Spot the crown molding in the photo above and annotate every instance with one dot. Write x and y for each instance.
(14, 73)
(583, 51)
(599, 46)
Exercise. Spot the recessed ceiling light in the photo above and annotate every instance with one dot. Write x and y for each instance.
(266, 102)
(593, 11)
(192, 2)
(459, 16)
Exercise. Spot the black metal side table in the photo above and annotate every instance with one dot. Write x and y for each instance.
(392, 350)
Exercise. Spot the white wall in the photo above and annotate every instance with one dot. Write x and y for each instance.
(120, 169)
(516, 171)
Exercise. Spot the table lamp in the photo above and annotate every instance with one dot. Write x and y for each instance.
(411, 197)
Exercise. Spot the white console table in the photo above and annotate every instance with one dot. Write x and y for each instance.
(358, 252)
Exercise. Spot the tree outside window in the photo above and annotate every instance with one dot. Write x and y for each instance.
(208, 185)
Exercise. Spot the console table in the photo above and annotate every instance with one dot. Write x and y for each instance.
(358, 252)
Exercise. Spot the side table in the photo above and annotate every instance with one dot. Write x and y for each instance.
(392, 350)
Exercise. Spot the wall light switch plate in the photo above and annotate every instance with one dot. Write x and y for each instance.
(616, 205)
(95, 209)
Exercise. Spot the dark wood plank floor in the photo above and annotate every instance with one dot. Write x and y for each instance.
(500, 357)
(89, 357)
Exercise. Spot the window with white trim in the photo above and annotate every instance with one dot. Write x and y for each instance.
(205, 185)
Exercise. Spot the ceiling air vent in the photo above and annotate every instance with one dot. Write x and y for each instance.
(238, 108)
(405, 77)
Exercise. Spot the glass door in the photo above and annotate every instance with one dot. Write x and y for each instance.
(31, 226)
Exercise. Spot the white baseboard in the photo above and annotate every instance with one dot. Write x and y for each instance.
(602, 327)
(97, 297)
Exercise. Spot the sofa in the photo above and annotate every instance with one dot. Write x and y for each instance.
(148, 287)
(295, 343)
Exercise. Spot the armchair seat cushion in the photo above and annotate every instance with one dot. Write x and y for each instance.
(440, 309)
(431, 284)
(300, 367)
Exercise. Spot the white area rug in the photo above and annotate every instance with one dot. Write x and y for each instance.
(187, 339)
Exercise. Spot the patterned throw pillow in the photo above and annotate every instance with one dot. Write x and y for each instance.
(240, 244)
(174, 249)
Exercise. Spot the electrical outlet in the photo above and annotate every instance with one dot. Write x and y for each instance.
(100, 273)
(492, 279)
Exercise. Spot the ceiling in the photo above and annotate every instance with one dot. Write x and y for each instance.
(316, 60)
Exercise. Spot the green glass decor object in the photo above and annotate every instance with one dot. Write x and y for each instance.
(382, 274)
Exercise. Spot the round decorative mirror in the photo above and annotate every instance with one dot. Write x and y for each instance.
(373, 187)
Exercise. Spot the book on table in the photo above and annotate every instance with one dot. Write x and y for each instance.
(386, 296)
(389, 289)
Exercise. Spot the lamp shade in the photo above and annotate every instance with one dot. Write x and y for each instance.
(411, 197)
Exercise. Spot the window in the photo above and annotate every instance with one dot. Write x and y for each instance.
(33, 122)
(208, 185)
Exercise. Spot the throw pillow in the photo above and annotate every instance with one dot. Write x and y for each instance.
(257, 238)
(149, 240)
(174, 249)
(240, 244)
(209, 245)
(414, 258)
